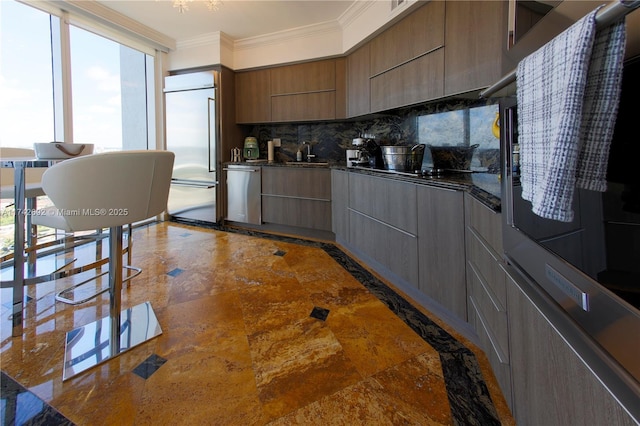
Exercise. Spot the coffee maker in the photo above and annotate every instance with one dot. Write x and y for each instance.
(355, 155)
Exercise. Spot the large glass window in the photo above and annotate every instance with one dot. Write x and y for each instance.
(62, 82)
(111, 89)
(26, 88)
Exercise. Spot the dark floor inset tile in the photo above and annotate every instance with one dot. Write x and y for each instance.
(149, 366)
(175, 272)
(320, 313)
(20, 406)
(280, 253)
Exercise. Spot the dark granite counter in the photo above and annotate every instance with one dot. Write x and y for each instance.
(486, 187)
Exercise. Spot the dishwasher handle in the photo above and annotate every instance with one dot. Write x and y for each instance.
(241, 170)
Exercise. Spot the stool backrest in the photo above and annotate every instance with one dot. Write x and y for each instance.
(110, 189)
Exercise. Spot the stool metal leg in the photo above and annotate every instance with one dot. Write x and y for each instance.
(106, 338)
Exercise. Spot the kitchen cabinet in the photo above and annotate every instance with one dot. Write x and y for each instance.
(309, 91)
(486, 287)
(297, 196)
(383, 223)
(253, 96)
(414, 36)
(416, 81)
(358, 89)
(552, 385)
(407, 60)
(441, 247)
(475, 44)
(339, 205)
(299, 92)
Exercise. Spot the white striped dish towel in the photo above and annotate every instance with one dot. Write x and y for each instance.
(568, 93)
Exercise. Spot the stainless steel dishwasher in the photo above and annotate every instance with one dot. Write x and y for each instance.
(244, 186)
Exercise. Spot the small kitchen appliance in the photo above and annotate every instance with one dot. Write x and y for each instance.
(251, 150)
(236, 155)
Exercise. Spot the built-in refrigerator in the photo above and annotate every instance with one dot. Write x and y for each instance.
(192, 129)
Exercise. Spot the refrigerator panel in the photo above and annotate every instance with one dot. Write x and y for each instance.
(191, 133)
(190, 118)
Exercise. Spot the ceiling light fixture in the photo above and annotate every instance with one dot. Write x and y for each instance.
(183, 5)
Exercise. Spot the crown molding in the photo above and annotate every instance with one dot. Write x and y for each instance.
(353, 12)
(106, 16)
(280, 37)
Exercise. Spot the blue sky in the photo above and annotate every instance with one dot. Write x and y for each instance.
(26, 111)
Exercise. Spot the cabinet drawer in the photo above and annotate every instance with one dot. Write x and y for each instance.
(389, 201)
(485, 263)
(501, 369)
(393, 248)
(492, 314)
(312, 214)
(485, 222)
(297, 182)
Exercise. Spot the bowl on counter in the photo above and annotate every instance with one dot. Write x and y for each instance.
(402, 158)
(61, 150)
(452, 157)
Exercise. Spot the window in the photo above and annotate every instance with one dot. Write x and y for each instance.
(112, 85)
(26, 88)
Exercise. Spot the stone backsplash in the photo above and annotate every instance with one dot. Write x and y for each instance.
(459, 122)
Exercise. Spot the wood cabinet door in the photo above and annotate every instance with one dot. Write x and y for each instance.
(552, 385)
(298, 197)
(441, 247)
(304, 107)
(358, 89)
(414, 82)
(253, 96)
(475, 43)
(419, 33)
(302, 78)
(340, 205)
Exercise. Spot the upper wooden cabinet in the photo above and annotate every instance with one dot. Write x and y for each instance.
(414, 82)
(358, 89)
(253, 96)
(416, 35)
(301, 92)
(475, 42)
(407, 60)
(307, 77)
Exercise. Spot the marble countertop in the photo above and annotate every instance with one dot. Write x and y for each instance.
(486, 187)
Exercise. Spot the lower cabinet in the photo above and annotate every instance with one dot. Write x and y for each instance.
(527, 339)
(297, 196)
(441, 247)
(339, 205)
(383, 223)
(486, 288)
(552, 385)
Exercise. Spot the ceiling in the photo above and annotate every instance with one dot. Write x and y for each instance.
(239, 19)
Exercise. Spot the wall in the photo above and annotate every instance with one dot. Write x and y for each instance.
(360, 22)
(331, 139)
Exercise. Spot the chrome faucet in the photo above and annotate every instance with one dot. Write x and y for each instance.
(310, 156)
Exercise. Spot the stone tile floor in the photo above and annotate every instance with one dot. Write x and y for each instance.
(257, 329)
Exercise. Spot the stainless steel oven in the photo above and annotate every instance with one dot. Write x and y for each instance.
(590, 267)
